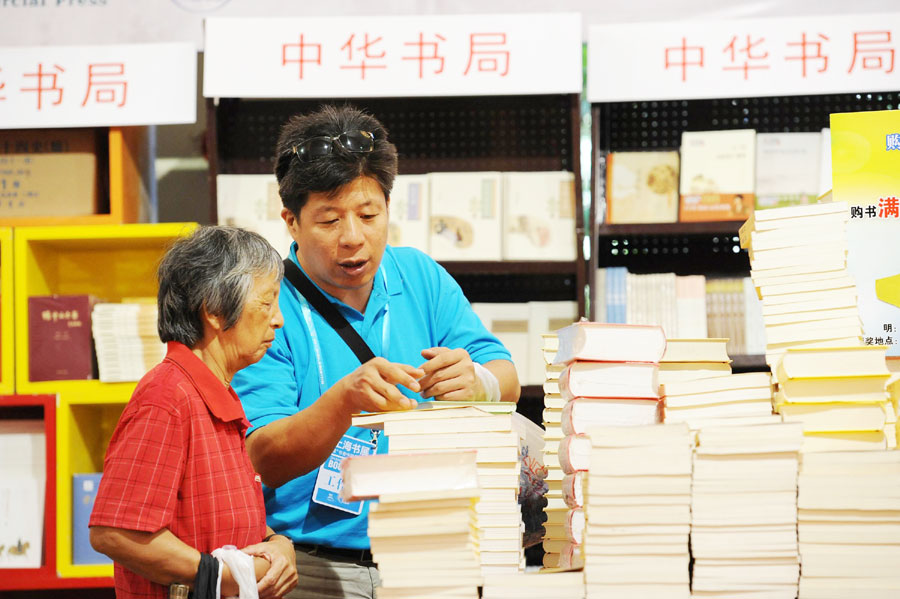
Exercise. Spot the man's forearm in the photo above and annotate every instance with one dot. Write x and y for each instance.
(290, 447)
(507, 377)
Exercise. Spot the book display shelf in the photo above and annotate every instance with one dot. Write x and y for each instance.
(122, 155)
(440, 134)
(685, 248)
(111, 262)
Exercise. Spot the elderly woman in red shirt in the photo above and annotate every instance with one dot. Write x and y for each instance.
(177, 482)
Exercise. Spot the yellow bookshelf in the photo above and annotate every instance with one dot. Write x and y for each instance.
(7, 322)
(84, 426)
(128, 159)
(107, 261)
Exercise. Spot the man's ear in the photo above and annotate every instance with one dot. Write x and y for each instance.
(289, 218)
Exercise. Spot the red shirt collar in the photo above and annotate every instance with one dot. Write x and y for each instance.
(222, 401)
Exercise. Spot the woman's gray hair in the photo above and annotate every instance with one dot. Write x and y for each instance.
(213, 269)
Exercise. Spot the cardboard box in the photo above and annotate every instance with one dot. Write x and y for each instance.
(48, 172)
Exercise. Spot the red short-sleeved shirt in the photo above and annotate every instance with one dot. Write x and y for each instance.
(177, 460)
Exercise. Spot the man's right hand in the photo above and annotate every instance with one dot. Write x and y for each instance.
(372, 387)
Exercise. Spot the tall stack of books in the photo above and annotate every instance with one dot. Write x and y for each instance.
(839, 395)
(126, 339)
(609, 380)
(798, 263)
(849, 524)
(422, 528)
(744, 511)
(497, 439)
(638, 512)
(555, 537)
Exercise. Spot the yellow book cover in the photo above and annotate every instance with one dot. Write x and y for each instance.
(865, 148)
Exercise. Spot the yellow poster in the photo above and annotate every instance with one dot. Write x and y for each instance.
(865, 153)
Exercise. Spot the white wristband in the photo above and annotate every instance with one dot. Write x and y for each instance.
(488, 381)
(241, 566)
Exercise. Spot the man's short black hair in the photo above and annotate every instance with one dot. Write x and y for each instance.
(296, 179)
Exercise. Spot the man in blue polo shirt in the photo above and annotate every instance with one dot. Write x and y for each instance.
(335, 170)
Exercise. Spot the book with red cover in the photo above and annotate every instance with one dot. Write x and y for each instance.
(60, 345)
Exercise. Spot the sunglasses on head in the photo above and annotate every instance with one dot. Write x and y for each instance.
(358, 142)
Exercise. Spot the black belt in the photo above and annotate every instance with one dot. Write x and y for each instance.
(358, 556)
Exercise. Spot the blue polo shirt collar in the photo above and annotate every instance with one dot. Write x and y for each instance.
(378, 299)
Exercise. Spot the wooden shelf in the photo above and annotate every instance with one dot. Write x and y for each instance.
(47, 576)
(727, 227)
(127, 158)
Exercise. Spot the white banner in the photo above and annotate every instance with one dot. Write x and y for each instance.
(392, 56)
(98, 86)
(744, 58)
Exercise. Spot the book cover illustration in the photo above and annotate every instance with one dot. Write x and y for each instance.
(717, 175)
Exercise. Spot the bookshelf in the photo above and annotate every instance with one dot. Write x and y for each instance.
(708, 248)
(108, 261)
(45, 577)
(434, 134)
(122, 157)
(7, 322)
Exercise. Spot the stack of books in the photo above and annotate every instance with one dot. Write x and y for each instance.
(609, 380)
(555, 537)
(744, 398)
(744, 511)
(798, 263)
(497, 439)
(839, 395)
(689, 359)
(126, 339)
(638, 505)
(849, 524)
(422, 528)
(534, 585)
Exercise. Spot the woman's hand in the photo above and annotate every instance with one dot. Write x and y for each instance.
(281, 575)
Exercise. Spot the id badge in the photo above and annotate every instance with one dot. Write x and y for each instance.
(327, 491)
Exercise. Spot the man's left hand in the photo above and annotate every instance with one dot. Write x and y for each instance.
(449, 375)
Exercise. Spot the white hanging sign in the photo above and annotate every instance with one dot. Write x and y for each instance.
(98, 86)
(455, 55)
(744, 58)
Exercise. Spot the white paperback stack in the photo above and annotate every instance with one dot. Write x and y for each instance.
(743, 398)
(849, 524)
(798, 263)
(638, 512)
(687, 359)
(126, 340)
(497, 439)
(840, 396)
(534, 585)
(421, 530)
(744, 512)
